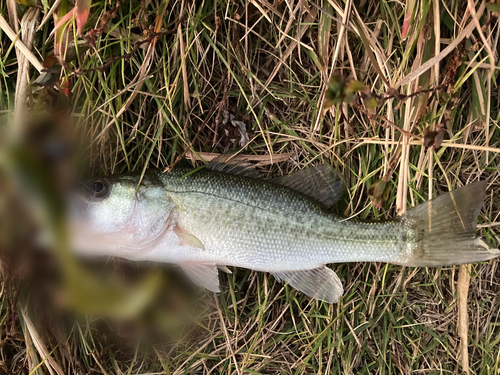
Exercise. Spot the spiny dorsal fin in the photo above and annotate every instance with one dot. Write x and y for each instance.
(233, 164)
(322, 183)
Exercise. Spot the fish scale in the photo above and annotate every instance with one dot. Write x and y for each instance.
(218, 216)
(278, 228)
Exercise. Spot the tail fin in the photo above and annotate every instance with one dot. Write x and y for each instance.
(446, 229)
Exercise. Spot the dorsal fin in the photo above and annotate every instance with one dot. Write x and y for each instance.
(233, 164)
(321, 183)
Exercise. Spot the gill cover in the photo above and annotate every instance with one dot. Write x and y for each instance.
(123, 213)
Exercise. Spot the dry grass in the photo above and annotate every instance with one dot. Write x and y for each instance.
(269, 64)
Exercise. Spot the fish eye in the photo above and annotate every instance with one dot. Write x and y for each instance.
(100, 188)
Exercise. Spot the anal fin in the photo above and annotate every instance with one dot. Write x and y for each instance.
(320, 283)
(205, 275)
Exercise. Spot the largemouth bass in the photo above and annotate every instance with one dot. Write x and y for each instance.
(224, 215)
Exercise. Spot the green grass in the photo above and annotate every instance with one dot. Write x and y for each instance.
(145, 111)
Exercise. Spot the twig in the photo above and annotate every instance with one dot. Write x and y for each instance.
(432, 62)
(179, 158)
(475, 21)
(489, 225)
(415, 143)
(221, 106)
(47, 15)
(463, 317)
(40, 346)
(226, 335)
(28, 23)
(20, 45)
(260, 159)
(91, 35)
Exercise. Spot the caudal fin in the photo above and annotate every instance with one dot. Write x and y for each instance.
(445, 228)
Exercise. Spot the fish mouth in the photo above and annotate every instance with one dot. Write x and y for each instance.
(78, 208)
(81, 195)
(81, 188)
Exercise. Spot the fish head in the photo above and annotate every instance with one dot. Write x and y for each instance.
(120, 213)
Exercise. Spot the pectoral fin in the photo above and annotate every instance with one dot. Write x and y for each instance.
(205, 275)
(320, 283)
(187, 238)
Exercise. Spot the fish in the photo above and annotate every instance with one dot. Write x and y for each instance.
(226, 215)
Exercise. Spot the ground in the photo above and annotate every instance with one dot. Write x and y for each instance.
(156, 84)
